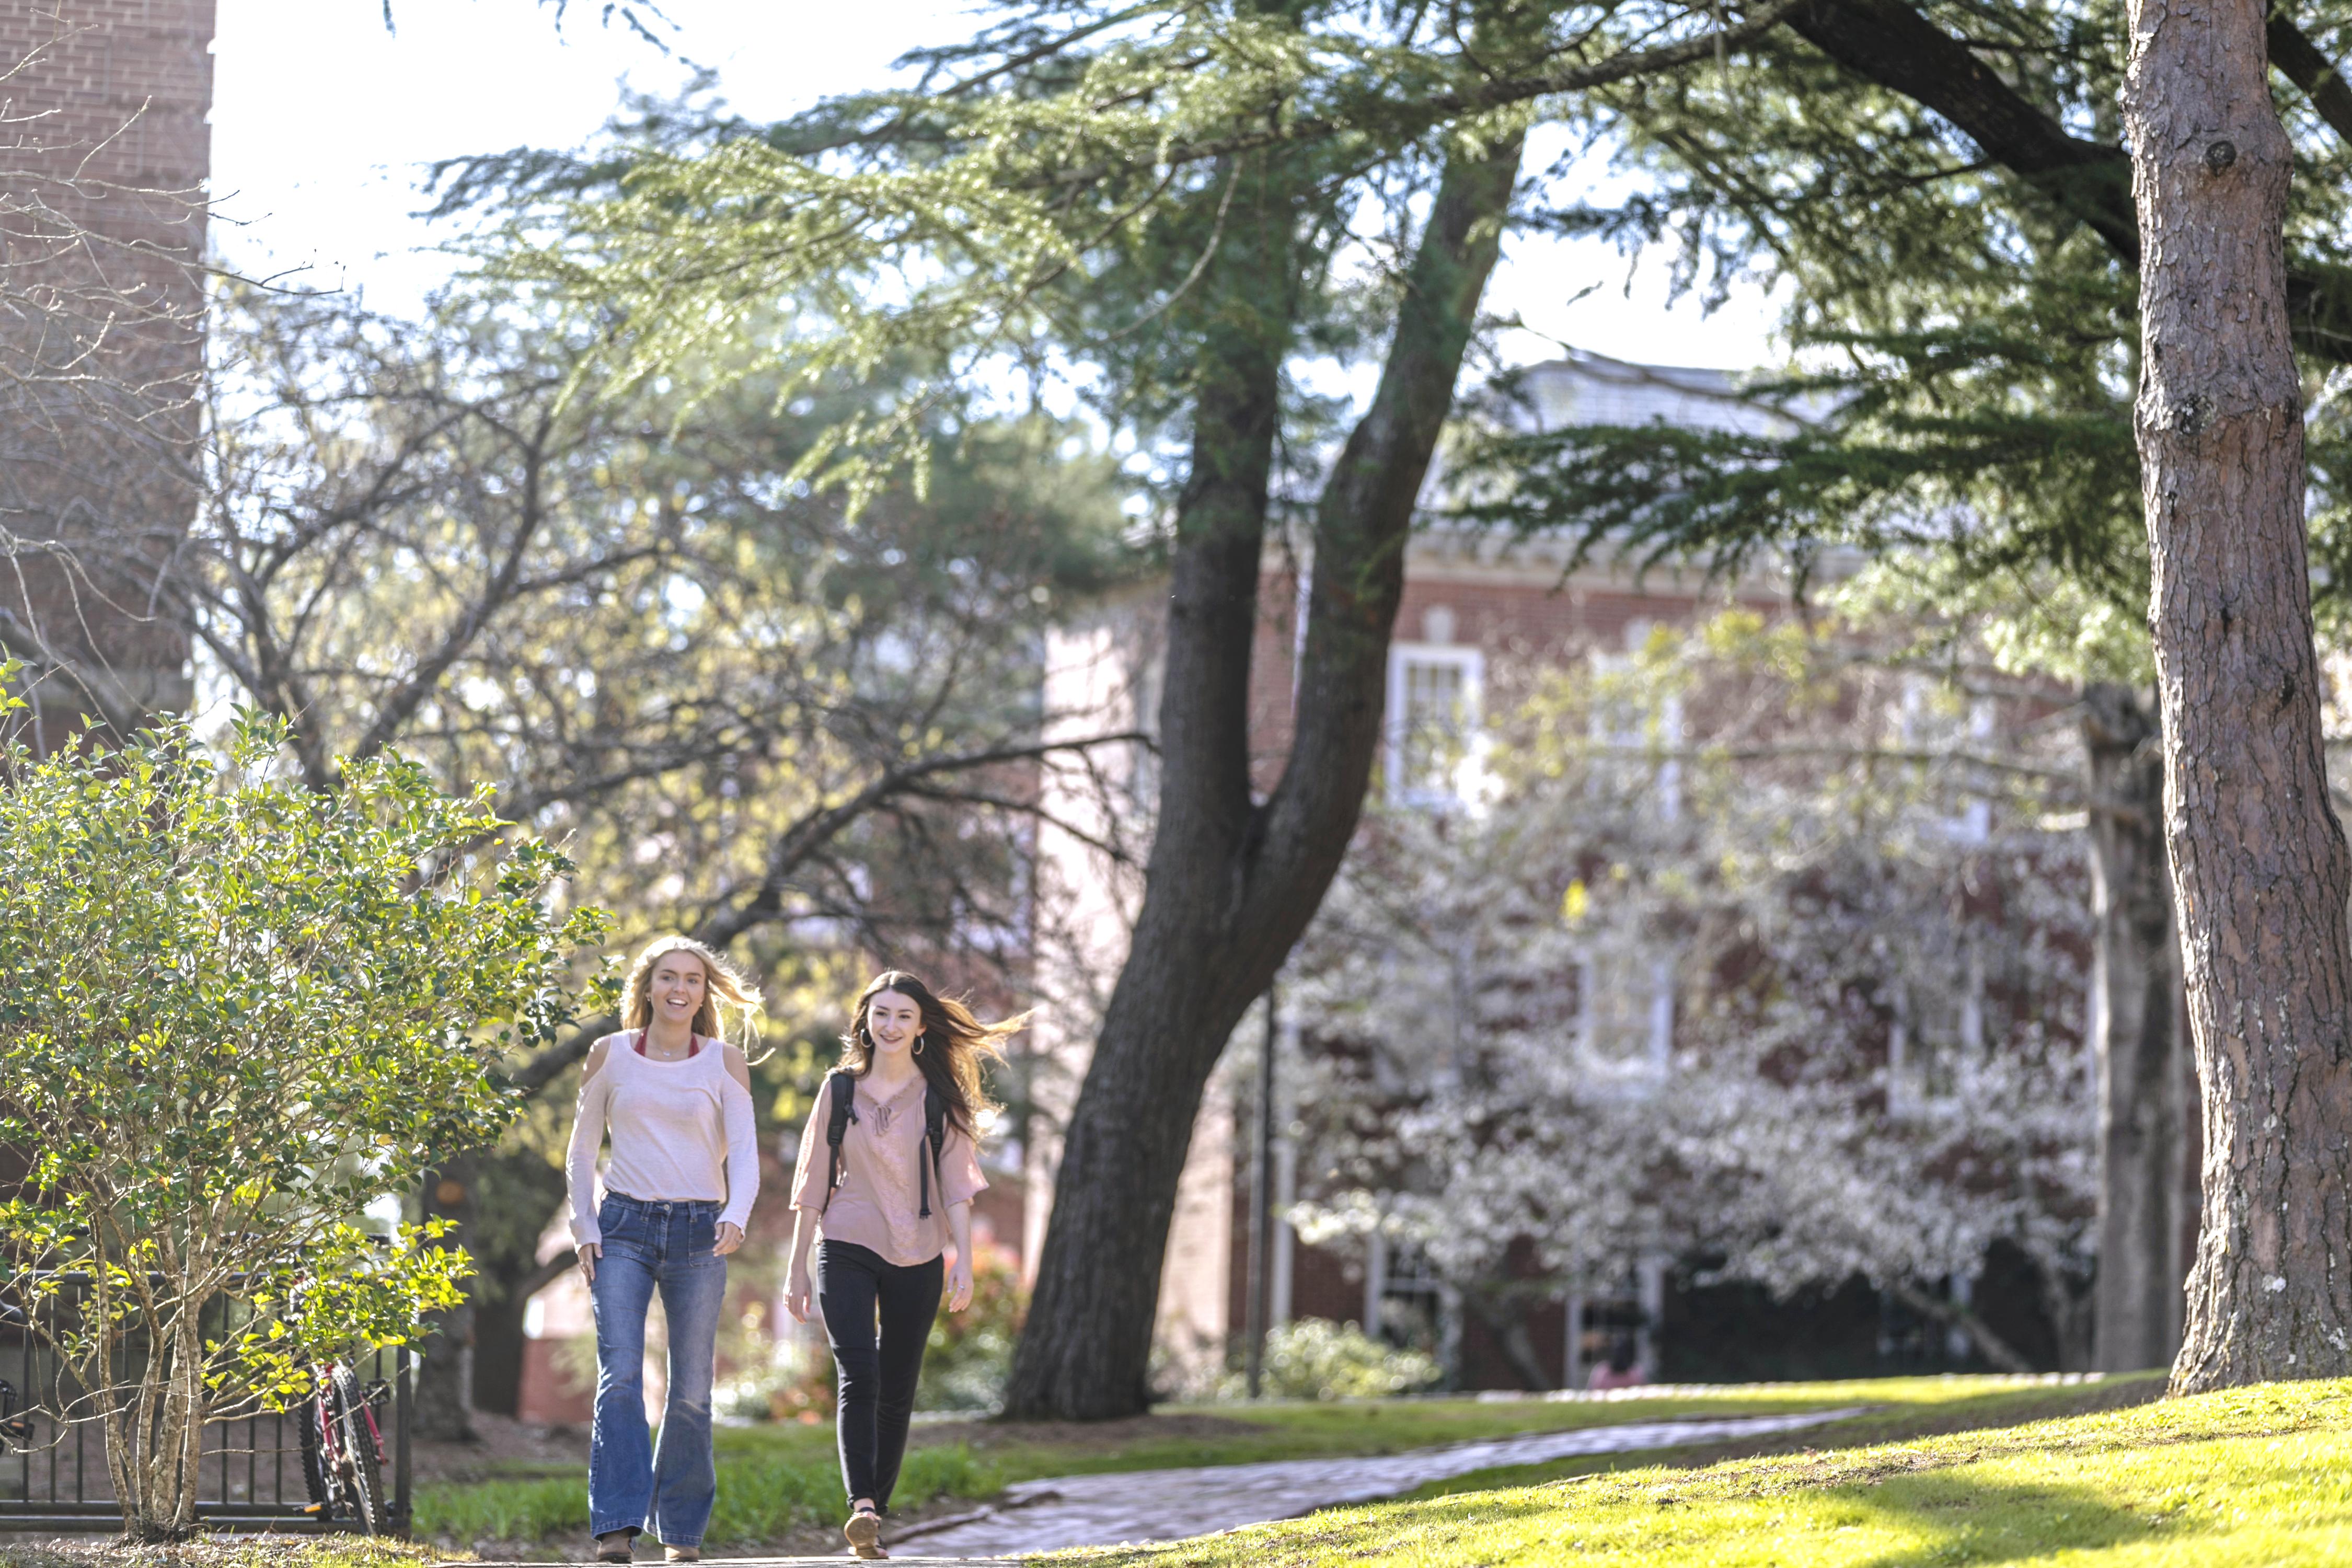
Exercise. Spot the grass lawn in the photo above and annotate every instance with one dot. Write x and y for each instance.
(774, 1480)
(2260, 1475)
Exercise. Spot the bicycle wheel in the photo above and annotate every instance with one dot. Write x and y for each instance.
(363, 1478)
(311, 1416)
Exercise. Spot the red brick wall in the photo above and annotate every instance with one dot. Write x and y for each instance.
(1517, 620)
(551, 1395)
(114, 93)
(104, 154)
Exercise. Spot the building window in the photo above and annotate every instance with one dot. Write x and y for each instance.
(1933, 716)
(1624, 1026)
(1433, 692)
(1630, 719)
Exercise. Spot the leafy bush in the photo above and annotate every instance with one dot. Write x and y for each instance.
(237, 1011)
(774, 1377)
(971, 1352)
(1316, 1359)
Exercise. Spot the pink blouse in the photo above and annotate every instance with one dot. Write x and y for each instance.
(879, 1205)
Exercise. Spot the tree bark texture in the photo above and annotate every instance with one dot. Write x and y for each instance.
(2140, 1046)
(1231, 883)
(2260, 869)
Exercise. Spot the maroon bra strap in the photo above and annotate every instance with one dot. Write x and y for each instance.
(693, 1044)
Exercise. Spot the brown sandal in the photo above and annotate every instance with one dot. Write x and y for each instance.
(864, 1531)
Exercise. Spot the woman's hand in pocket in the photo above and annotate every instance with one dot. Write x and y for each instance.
(730, 1237)
(589, 1252)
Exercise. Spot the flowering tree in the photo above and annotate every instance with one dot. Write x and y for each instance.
(238, 1010)
(1800, 996)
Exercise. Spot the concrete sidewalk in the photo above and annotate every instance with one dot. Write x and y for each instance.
(1134, 1505)
(1168, 1505)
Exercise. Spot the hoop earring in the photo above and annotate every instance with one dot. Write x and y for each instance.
(918, 1043)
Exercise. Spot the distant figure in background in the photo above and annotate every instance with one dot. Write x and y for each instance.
(677, 1192)
(1621, 1368)
(888, 1173)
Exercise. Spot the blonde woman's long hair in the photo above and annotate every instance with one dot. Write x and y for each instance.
(725, 990)
(952, 1045)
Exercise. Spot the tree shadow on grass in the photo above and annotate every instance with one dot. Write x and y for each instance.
(1964, 1519)
(1991, 1411)
(1957, 1520)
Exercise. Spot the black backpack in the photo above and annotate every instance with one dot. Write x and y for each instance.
(842, 1109)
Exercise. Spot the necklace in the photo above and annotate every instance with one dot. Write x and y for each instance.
(663, 1053)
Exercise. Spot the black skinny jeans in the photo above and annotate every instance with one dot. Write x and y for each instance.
(876, 1382)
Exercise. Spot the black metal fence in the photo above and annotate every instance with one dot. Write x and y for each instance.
(53, 1473)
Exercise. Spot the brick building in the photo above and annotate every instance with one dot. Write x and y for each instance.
(1474, 606)
(105, 148)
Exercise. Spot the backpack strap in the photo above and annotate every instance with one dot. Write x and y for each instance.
(935, 1134)
(841, 1110)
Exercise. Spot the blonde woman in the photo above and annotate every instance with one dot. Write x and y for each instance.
(887, 1171)
(676, 1098)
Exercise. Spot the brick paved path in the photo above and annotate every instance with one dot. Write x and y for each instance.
(1168, 1505)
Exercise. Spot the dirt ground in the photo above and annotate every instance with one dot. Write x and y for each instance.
(214, 1551)
(501, 1445)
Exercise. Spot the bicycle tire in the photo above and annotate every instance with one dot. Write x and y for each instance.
(313, 1417)
(371, 1509)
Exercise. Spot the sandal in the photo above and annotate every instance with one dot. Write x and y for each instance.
(616, 1546)
(864, 1531)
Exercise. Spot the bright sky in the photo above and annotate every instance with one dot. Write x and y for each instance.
(323, 123)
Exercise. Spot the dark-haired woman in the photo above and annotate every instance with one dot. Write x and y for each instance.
(887, 1207)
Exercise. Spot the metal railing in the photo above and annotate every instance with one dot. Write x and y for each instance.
(53, 1472)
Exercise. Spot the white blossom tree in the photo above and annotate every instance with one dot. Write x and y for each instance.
(1797, 998)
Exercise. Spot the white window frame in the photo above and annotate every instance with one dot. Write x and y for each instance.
(1472, 662)
(1972, 824)
(1644, 1071)
(1666, 783)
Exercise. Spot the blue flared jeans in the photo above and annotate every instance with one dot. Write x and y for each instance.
(631, 1484)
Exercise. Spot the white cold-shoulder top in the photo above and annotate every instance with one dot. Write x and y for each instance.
(681, 1130)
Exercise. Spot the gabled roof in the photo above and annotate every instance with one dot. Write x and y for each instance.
(1592, 389)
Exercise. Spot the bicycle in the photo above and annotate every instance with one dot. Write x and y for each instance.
(343, 1449)
(15, 1428)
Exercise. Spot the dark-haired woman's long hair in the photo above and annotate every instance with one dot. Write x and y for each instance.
(954, 1042)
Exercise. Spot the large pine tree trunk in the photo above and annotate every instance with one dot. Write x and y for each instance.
(2260, 869)
(1231, 883)
(2141, 1053)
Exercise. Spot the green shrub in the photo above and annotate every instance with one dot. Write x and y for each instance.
(237, 1011)
(971, 1353)
(1317, 1359)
